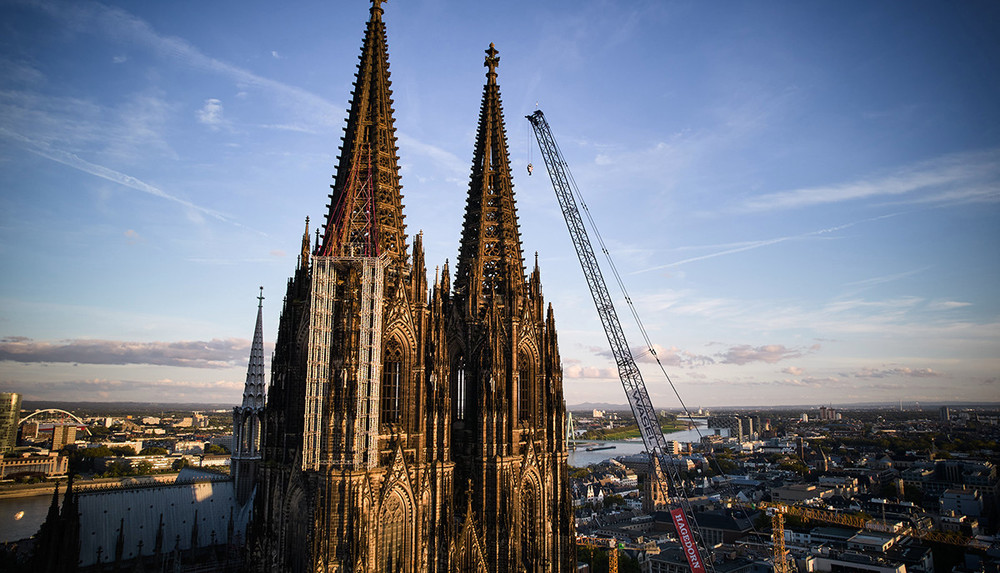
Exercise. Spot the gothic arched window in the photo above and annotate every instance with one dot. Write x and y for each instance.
(460, 389)
(392, 385)
(524, 387)
(392, 550)
(529, 526)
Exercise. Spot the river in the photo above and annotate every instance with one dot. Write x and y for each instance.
(580, 457)
(14, 524)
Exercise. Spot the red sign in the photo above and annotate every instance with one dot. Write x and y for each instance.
(687, 541)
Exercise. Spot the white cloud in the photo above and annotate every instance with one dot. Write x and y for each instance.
(751, 245)
(211, 114)
(119, 24)
(947, 305)
(937, 180)
(770, 353)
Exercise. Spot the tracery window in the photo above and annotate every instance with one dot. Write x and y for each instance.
(392, 385)
(524, 386)
(529, 526)
(460, 389)
(392, 539)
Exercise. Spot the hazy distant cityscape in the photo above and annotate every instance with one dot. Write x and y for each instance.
(876, 489)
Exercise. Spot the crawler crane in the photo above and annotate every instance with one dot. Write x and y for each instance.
(635, 387)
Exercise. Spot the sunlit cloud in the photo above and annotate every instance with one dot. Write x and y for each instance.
(216, 353)
(577, 371)
(770, 353)
(895, 371)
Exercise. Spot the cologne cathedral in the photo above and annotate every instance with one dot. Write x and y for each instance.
(409, 426)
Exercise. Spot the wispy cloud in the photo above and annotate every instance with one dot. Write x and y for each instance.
(216, 353)
(751, 245)
(118, 24)
(770, 353)
(43, 149)
(672, 356)
(947, 305)
(894, 372)
(964, 176)
(739, 355)
(578, 371)
(452, 168)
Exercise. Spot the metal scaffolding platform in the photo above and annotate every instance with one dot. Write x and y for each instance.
(344, 364)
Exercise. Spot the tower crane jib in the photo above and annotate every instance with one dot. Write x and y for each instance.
(628, 371)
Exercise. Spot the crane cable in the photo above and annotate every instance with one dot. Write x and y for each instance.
(638, 320)
(628, 298)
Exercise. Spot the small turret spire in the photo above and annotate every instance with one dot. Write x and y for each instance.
(255, 387)
(304, 255)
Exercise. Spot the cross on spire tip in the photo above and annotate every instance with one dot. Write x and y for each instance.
(492, 61)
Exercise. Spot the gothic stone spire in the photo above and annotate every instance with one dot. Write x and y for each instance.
(256, 387)
(490, 262)
(365, 215)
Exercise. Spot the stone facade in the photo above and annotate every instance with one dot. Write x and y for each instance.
(413, 426)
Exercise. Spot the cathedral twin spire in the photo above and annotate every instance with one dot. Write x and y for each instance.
(365, 217)
(490, 262)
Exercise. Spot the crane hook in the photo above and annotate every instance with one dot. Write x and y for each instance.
(530, 169)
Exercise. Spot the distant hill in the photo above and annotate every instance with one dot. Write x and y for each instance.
(599, 406)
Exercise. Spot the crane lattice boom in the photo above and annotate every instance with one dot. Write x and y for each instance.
(631, 377)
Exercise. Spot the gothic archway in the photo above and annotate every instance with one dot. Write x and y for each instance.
(395, 546)
(530, 538)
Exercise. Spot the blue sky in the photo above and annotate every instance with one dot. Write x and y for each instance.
(802, 198)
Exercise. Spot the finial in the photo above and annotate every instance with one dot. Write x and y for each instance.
(260, 298)
(377, 9)
(492, 61)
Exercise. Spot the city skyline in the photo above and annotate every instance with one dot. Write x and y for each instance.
(801, 200)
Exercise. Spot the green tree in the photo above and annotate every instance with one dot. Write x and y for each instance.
(613, 500)
(216, 449)
(123, 450)
(154, 451)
